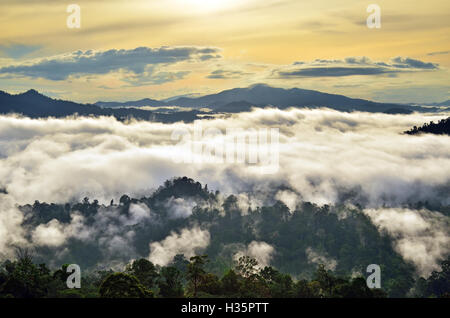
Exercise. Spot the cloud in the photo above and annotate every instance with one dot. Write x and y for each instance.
(17, 51)
(188, 242)
(420, 236)
(334, 72)
(179, 207)
(226, 74)
(412, 63)
(325, 156)
(50, 234)
(136, 61)
(438, 53)
(291, 199)
(261, 251)
(56, 160)
(317, 258)
(153, 77)
(352, 66)
(11, 231)
(111, 231)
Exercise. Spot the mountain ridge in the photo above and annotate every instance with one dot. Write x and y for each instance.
(34, 104)
(261, 95)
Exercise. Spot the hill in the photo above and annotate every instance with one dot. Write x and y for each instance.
(264, 95)
(35, 105)
(440, 128)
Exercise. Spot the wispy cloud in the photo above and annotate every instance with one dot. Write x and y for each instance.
(226, 74)
(18, 50)
(438, 53)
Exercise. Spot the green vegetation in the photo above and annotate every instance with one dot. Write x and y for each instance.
(23, 279)
(341, 235)
(440, 128)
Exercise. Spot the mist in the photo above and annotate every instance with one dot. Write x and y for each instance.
(325, 157)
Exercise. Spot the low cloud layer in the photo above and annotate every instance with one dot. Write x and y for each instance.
(326, 157)
(421, 237)
(260, 251)
(315, 257)
(188, 242)
(322, 153)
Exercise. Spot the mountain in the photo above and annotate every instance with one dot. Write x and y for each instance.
(260, 95)
(35, 105)
(136, 103)
(446, 103)
(264, 95)
(170, 99)
(236, 107)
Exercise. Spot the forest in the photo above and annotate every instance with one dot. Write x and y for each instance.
(440, 128)
(267, 251)
(182, 278)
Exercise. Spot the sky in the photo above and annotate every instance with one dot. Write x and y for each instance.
(126, 50)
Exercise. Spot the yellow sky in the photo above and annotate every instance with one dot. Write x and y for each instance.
(268, 33)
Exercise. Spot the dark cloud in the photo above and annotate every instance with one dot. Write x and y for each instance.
(352, 66)
(102, 62)
(412, 63)
(225, 74)
(333, 72)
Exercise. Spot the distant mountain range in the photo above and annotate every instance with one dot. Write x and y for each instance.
(34, 104)
(261, 95)
(136, 103)
(446, 103)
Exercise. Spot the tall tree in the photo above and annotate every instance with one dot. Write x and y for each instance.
(196, 271)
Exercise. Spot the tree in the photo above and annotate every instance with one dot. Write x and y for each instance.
(253, 285)
(280, 285)
(121, 285)
(24, 279)
(247, 266)
(439, 282)
(231, 283)
(325, 279)
(180, 262)
(170, 282)
(196, 271)
(210, 284)
(144, 271)
(356, 288)
(305, 289)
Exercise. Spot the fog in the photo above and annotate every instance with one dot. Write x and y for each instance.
(325, 157)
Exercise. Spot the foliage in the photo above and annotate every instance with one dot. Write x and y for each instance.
(121, 285)
(342, 233)
(440, 128)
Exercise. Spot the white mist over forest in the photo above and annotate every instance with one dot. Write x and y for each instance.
(325, 157)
